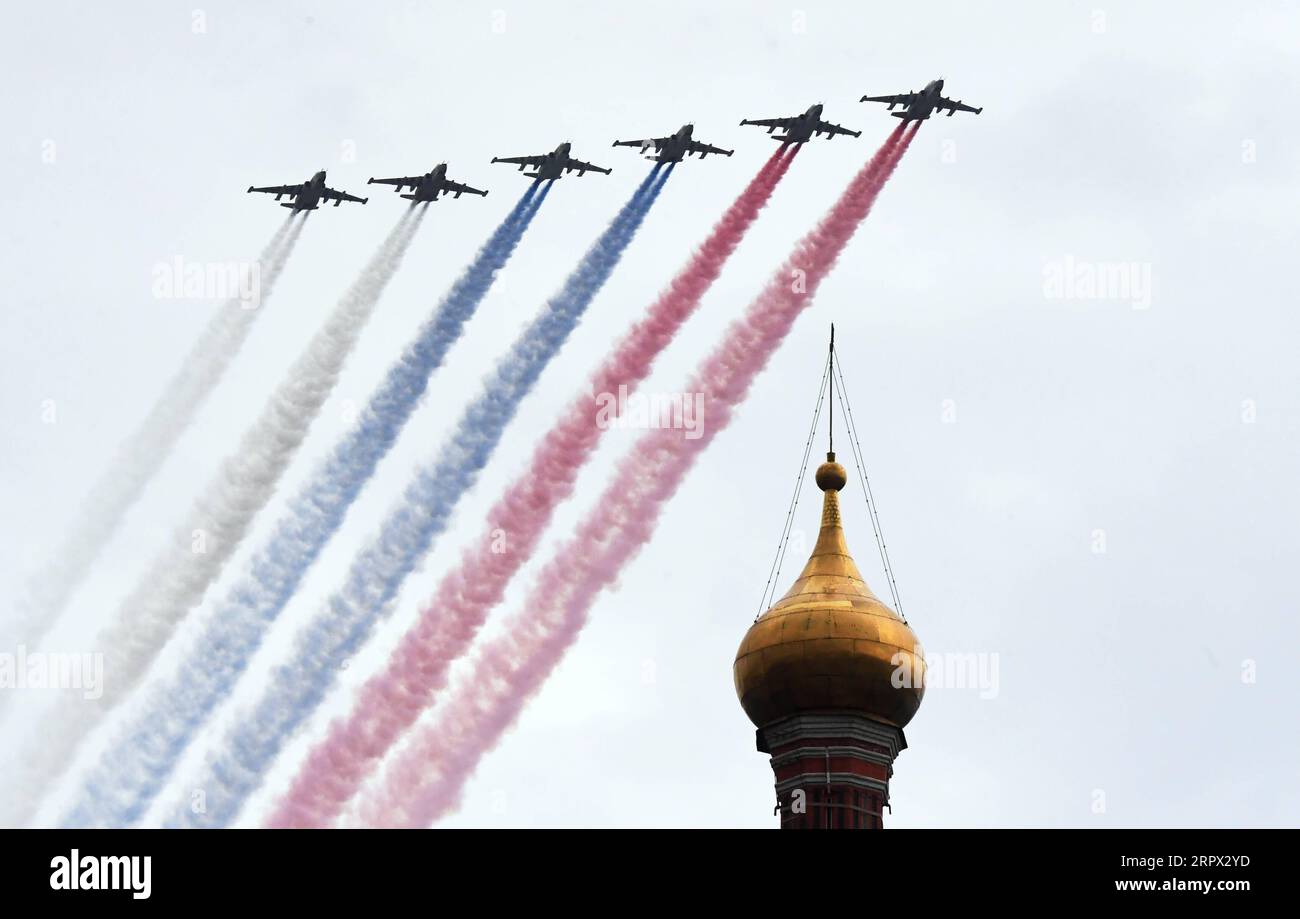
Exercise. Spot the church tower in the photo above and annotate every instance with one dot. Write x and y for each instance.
(830, 675)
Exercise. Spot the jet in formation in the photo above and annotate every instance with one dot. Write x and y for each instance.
(674, 147)
(801, 128)
(551, 165)
(308, 195)
(919, 106)
(428, 186)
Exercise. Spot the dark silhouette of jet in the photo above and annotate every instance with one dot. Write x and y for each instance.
(672, 148)
(429, 186)
(801, 128)
(551, 165)
(919, 106)
(308, 195)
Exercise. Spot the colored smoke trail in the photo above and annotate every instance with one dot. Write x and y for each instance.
(390, 702)
(427, 776)
(350, 615)
(140, 456)
(132, 771)
(218, 519)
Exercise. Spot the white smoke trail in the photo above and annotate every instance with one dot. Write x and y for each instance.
(218, 520)
(138, 457)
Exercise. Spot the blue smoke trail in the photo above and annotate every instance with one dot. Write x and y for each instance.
(132, 771)
(350, 615)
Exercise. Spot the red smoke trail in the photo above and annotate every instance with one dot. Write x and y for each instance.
(427, 776)
(392, 701)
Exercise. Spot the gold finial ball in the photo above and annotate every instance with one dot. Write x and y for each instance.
(831, 476)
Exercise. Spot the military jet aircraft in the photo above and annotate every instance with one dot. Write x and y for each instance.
(428, 186)
(551, 165)
(918, 106)
(308, 195)
(671, 149)
(801, 128)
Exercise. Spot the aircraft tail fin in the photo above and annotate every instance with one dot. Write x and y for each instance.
(288, 205)
(902, 115)
(409, 197)
(533, 175)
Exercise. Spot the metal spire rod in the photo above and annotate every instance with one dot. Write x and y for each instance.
(831, 414)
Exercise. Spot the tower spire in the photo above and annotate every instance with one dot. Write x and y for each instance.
(830, 360)
(816, 674)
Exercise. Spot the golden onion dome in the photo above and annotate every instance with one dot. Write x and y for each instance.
(829, 643)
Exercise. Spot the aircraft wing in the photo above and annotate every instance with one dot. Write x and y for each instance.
(903, 99)
(292, 191)
(957, 106)
(705, 149)
(579, 165)
(832, 129)
(338, 197)
(644, 144)
(520, 160)
(771, 122)
(460, 189)
(400, 181)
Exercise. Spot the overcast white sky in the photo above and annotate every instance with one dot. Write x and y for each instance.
(1130, 133)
